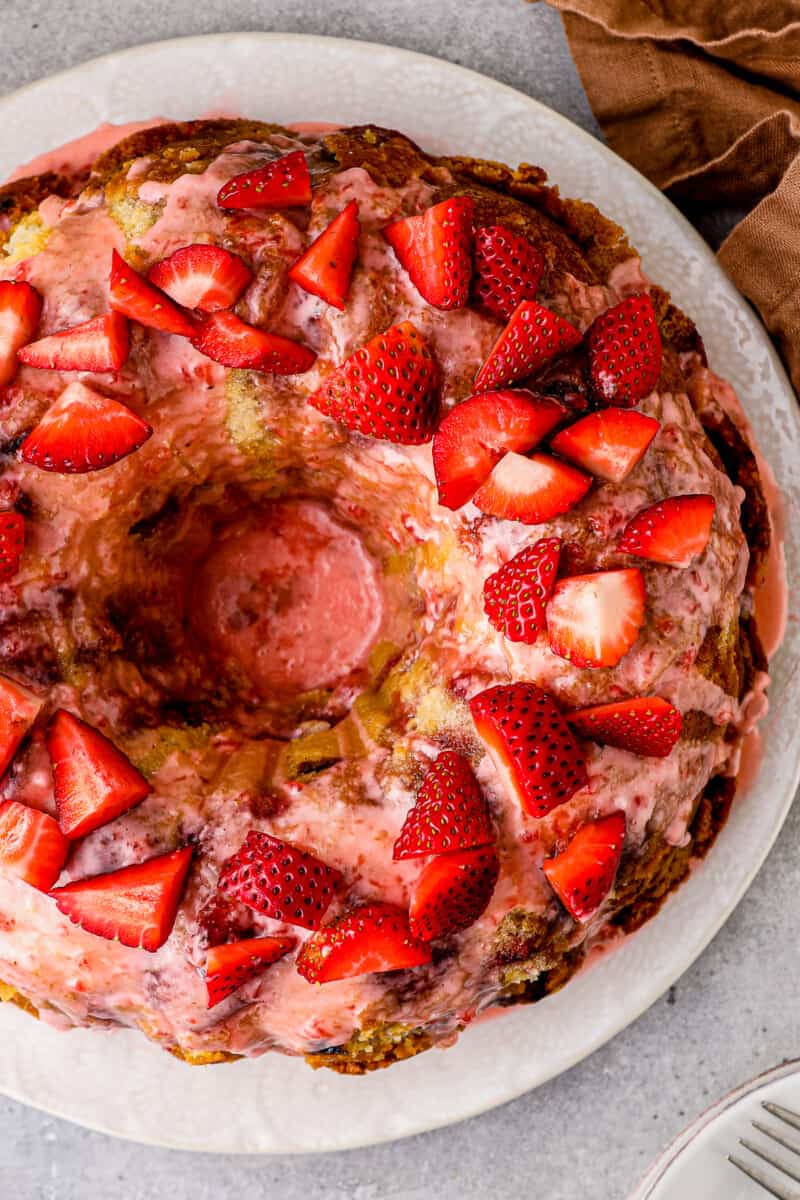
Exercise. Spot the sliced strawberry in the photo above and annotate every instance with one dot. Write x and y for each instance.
(609, 443)
(83, 431)
(229, 967)
(31, 845)
(280, 880)
(134, 297)
(370, 938)
(12, 542)
(625, 352)
(475, 435)
(136, 906)
(283, 183)
(19, 708)
(388, 389)
(99, 345)
(436, 250)
(202, 276)
(234, 343)
(645, 725)
(532, 338)
(530, 744)
(508, 270)
(531, 490)
(20, 310)
(452, 892)
(584, 873)
(515, 597)
(94, 782)
(673, 531)
(326, 267)
(450, 812)
(593, 620)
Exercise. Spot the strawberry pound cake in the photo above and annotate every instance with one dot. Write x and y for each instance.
(377, 556)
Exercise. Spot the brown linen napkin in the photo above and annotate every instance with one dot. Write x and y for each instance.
(703, 96)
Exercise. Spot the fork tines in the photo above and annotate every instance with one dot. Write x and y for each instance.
(789, 1169)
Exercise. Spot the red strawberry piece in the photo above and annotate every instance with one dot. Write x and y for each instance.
(19, 708)
(20, 310)
(134, 297)
(229, 967)
(202, 276)
(625, 352)
(673, 531)
(593, 620)
(530, 744)
(609, 443)
(326, 266)
(372, 937)
(475, 435)
(584, 873)
(99, 345)
(533, 337)
(450, 812)
(83, 431)
(515, 597)
(282, 183)
(436, 250)
(508, 270)
(94, 782)
(136, 906)
(531, 490)
(388, 389)
(645, 725)
(234, 343)
(31, 845)
(452, 892)
(12, 542)
(280, 880)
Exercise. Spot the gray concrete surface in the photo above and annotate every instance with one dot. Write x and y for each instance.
(592, 1132)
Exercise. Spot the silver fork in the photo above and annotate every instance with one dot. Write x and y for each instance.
(791, 1170)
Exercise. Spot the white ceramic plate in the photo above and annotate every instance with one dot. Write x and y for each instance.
(119, 1083)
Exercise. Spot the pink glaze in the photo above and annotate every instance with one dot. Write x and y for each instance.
(75, 157)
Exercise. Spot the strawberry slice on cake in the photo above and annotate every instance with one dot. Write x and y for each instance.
(508, 270)
(280, 880)
(32, 846)
(583, 874)
(450, 812)
(99, 346)
(231, 966)
(20, 310)
(594, 620)
(435, 248)
(202, 276)
(83, 431)
(326, 267)
(373, 937)
(283, 183)
(452, 892)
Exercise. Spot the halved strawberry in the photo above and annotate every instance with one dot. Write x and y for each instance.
(584, 873)
(283, 183)
(609, 443)
(388, 389)
(20, 310)
(94, 782)
(625, 352)
(450, 812)
(531, 745)
(452, 892)
(202, 276)
(99, 345)
(229, 967)
(532, 338)
(136, 905)
(234, 343)
(436, 250)
(326, 266)
(19, 708)
(475, 435)
(593, 620)
(673, 531)
(83, 431)
(134, 297)
(515, 597)
(508, 270)
(12, 542)
(31, 845)
(372, 937)
(280, 880)
(645, 725)
(531, 490)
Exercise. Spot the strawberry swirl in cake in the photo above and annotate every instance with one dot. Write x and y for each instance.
(376, 615)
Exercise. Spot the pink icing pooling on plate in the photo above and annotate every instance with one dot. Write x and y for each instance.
(77, 156)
